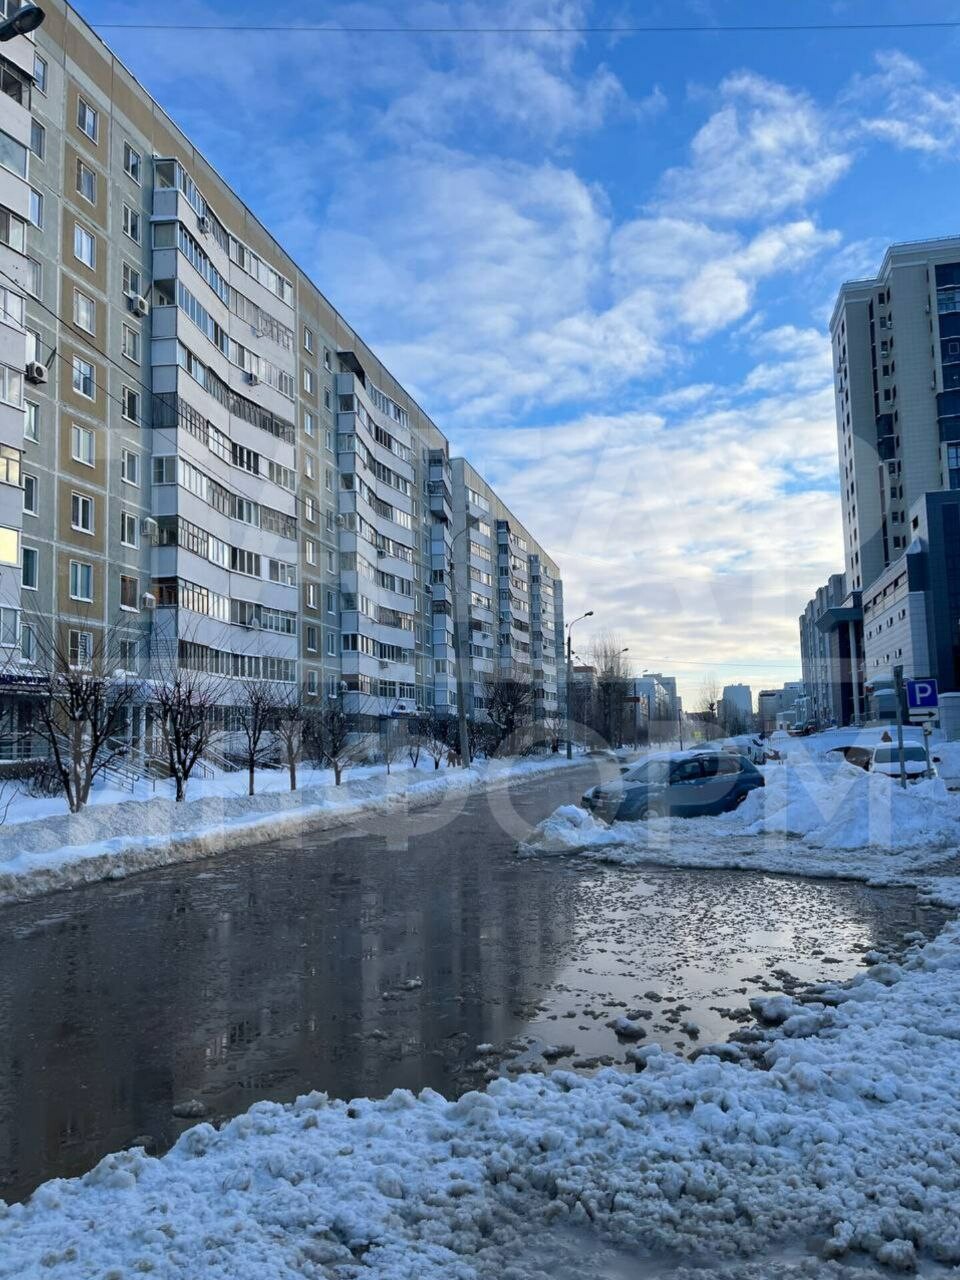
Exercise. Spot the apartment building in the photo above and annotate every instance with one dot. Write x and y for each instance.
(511, 619)
(831, 653)
(205, 464)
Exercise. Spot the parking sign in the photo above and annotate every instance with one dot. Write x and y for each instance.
(922, 699)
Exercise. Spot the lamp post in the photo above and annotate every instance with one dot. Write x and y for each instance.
(570, 625)
(26, 19)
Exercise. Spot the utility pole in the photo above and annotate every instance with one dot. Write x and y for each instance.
(898, 687)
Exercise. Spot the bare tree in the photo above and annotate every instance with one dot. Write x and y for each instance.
(257, 714)
(609, 658)
(83, 705)
(331, 738)
(185, 703)
(509, 704)
(291, 719)
(436, 731)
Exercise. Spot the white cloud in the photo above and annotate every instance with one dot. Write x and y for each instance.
(912, 112)
(764, 150)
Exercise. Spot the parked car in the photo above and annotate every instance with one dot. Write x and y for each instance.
(886, 760)
(689, 785)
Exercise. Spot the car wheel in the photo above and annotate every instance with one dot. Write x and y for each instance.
(648, 811)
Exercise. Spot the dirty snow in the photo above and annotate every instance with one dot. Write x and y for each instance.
(46, 851)
(849, 1139)
(816, 815)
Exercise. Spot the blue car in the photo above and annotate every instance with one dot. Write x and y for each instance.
(691, 785)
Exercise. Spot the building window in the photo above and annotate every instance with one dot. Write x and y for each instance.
(12, 305)
(84, 312)
(131, 223)
(310, 510)
(326, 358)
(81, 581)
(953, 464)
(131, 162)
(132, 279)
(131, 344)
(83, 379)
(309, 423)
(31, 501)
(31, 421)
(34, 277)
(331, 561)
(88, 119)
(307, 339)
(331, 644)
(86, 182)
(312, 639)
(331, 602)
(38, 145)
(84, 246)
(29, 571)
(129, 593)
(36, 208)
(28, 642)
(13, 155)
(10, 465)
(311, 551)
(129, 529)
(130, 467)
(82, 445)
(311, 595)
(130, 401)
(81, 648)
(40, 72)
(308, 466)
(81, 513)
(11, 386)
(308, 381)
(128, 655)
(13, 230)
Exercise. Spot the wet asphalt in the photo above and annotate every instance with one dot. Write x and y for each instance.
(362, 960)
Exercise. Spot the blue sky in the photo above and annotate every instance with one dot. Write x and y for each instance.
(603, 264)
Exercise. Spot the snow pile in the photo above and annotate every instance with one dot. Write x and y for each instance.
(845, 807)
(813, 817)
(110, 841)
(852, 1136)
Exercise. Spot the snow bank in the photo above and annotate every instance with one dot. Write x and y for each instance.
(812, 818)
(851, 1136)
(112, 841)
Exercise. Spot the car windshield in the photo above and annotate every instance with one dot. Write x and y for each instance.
(651, 771)
(890, 755)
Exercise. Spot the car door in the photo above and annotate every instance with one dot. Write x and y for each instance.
(684, 793)
(721, 783)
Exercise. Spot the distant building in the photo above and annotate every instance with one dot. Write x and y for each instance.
(736, 707)
(775, 707)
(831, 654)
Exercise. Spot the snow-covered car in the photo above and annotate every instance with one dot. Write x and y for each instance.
(689, 785)
(886, 760)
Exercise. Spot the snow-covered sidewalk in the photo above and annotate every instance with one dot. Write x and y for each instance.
(45, 851)
(850, 1140)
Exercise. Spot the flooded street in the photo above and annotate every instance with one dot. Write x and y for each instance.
(351, 964)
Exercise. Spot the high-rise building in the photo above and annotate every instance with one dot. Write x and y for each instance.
(896, 352)
(200, 457)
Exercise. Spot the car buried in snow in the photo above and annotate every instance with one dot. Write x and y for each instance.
(886, 760)
(688, 785)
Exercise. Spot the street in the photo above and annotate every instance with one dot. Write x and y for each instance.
(356, 963)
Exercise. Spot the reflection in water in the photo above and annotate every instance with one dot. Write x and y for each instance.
(342, 964)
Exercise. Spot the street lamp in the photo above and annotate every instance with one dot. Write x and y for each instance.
(570, 625)
(27, 18)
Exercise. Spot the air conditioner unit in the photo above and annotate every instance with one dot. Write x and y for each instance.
(36, 372)
(149, 528)
(148, 601)
(251, 377)
(138, 304)
(204, 224)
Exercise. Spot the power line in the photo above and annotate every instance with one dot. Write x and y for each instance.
(646, 29)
